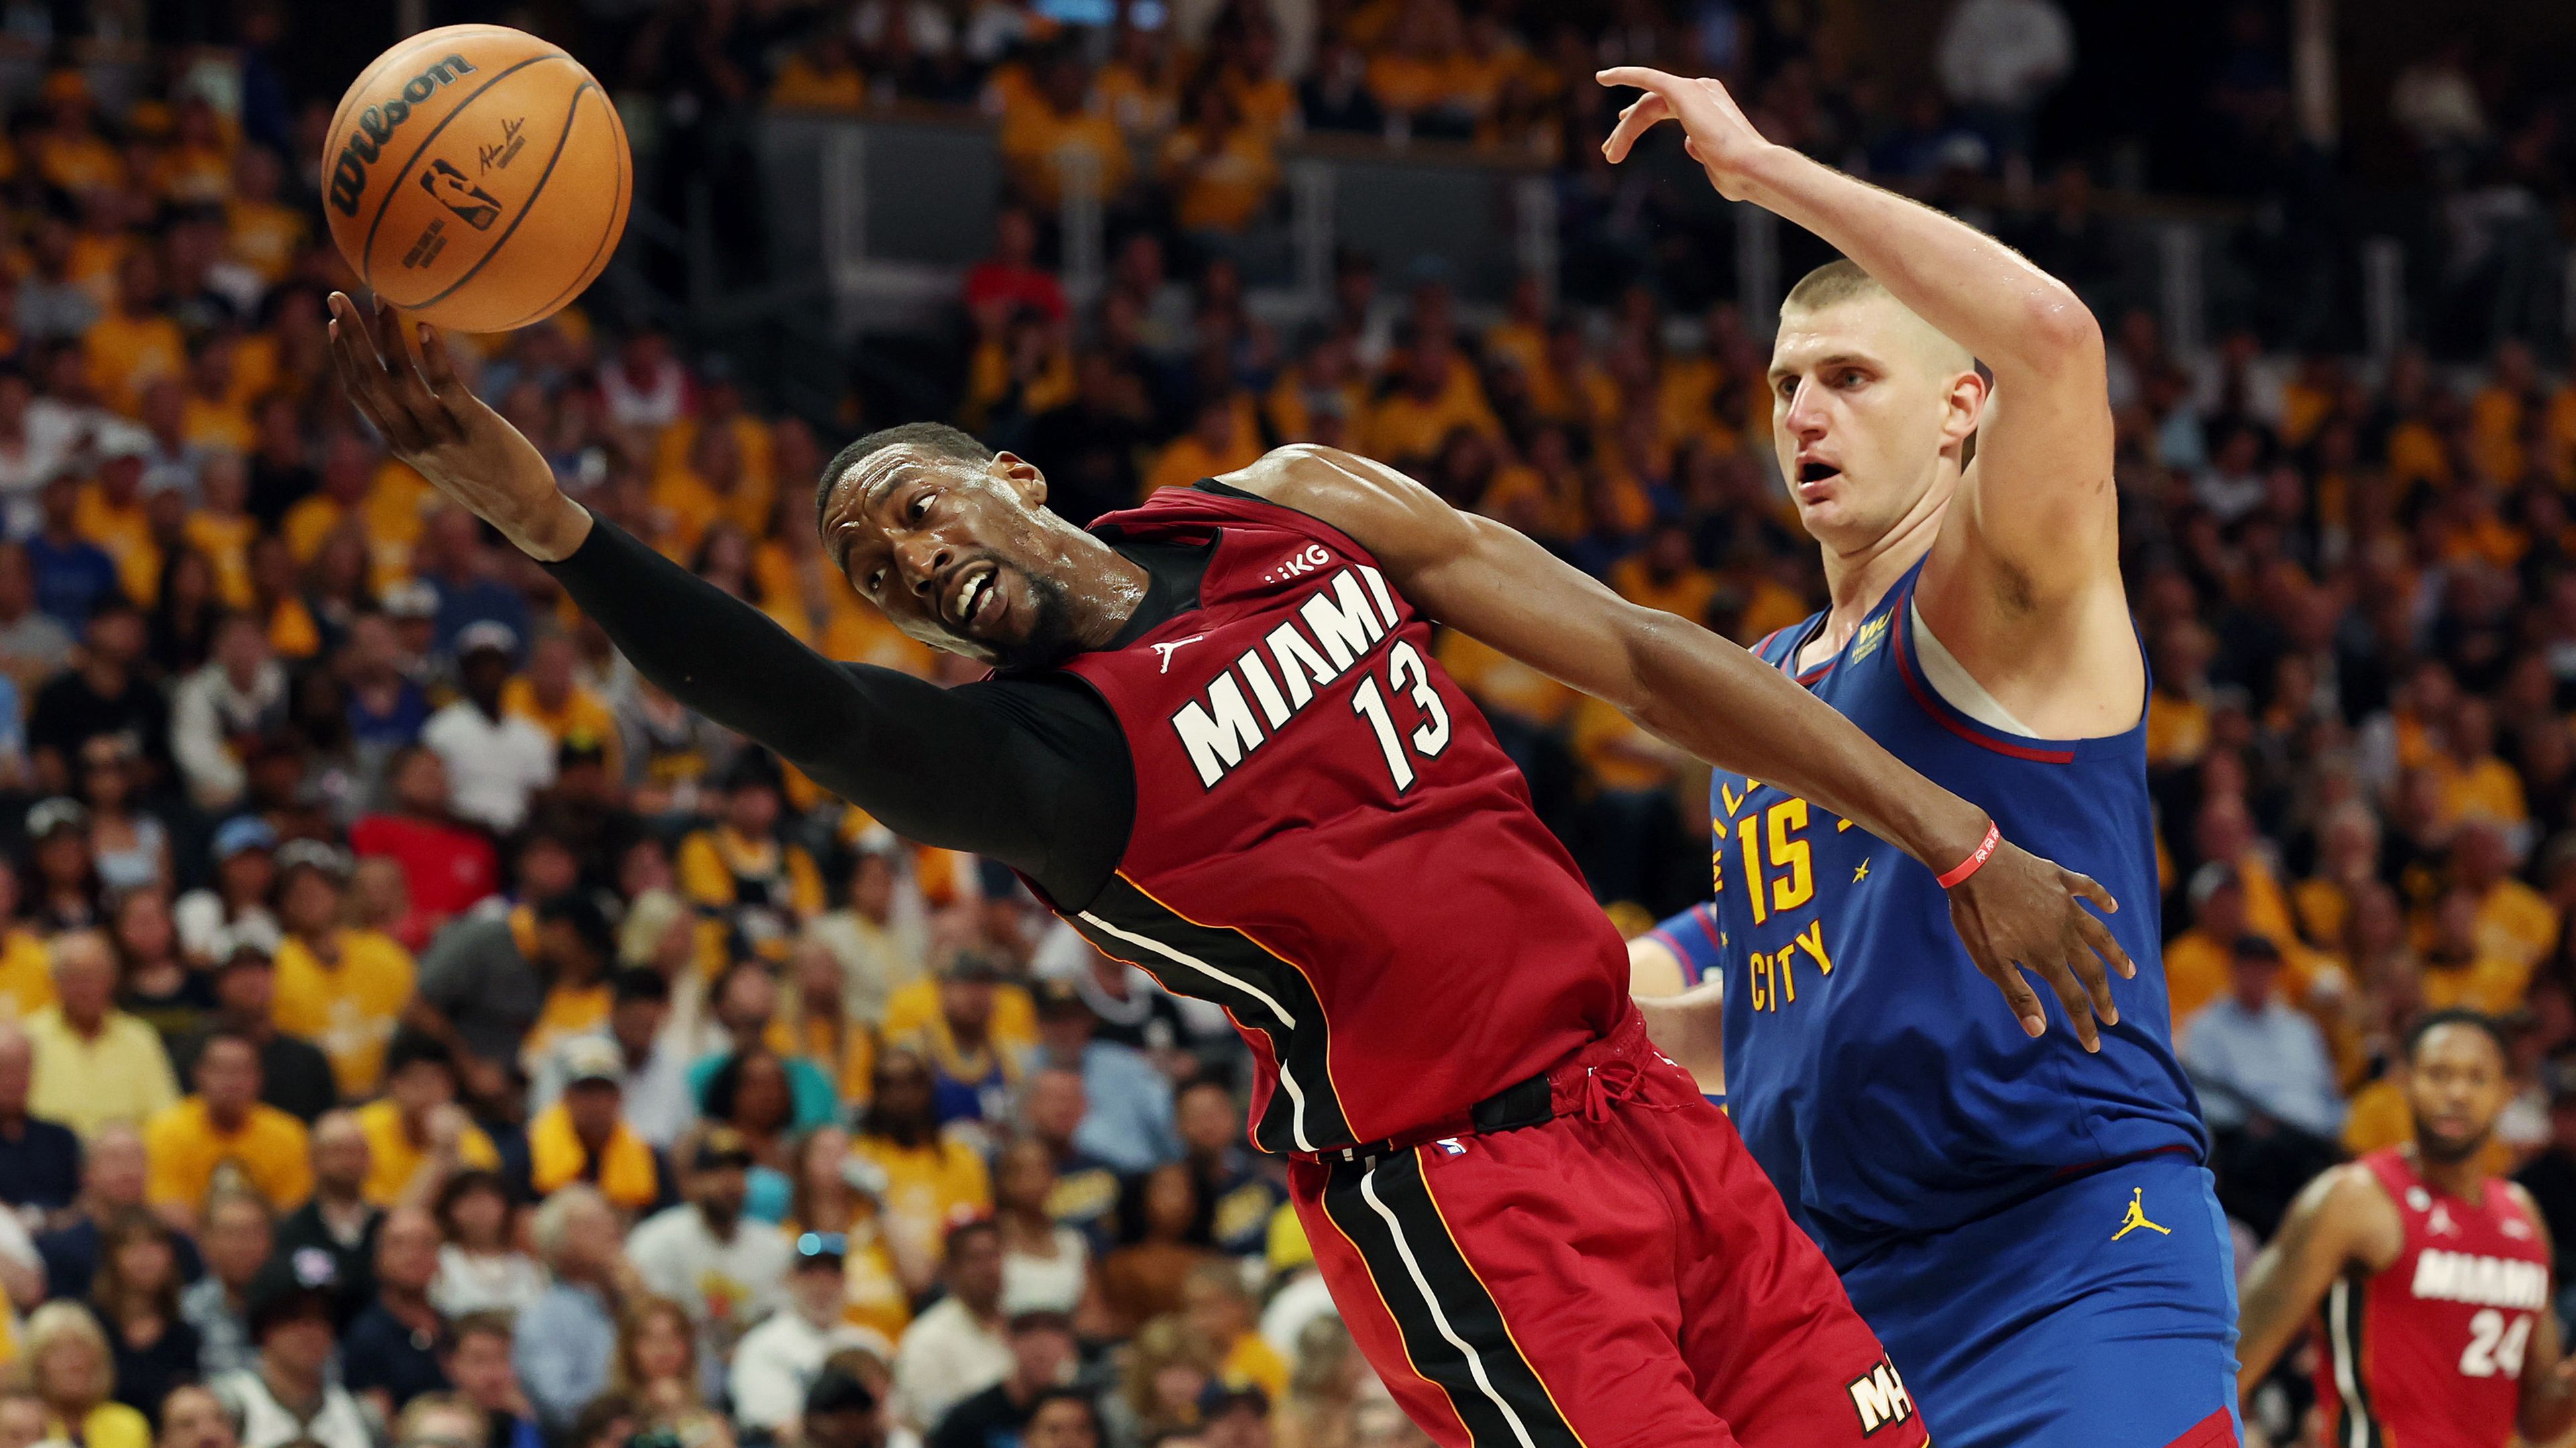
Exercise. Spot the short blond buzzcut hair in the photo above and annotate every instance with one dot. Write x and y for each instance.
(1842, 280)
(1839, 280)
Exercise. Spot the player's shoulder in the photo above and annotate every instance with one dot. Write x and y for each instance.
(2520, 1195)
(2352, 1205)
(1376, 506)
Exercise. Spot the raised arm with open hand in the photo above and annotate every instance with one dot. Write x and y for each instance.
(987, 767)
(434, 422)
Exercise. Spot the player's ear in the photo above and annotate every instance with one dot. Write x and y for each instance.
(1022, 477)
(1966, 405)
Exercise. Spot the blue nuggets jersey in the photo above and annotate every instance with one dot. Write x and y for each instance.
(1879, 1079)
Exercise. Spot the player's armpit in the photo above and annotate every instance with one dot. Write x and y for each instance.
(2341, 1217)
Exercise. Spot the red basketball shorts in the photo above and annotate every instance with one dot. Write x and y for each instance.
(1621, 1274)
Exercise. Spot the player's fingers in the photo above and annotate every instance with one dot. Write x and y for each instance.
(2090, 888)
(1999, 969)
(402, 379)
(1639, 77)
(1640, 116)
(352, 382)
(2106, 945)
(2085, 962)
(362, 371)
(438, 370)
(2079, 1007)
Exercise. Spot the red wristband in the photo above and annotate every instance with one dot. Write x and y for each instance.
(1976, 859)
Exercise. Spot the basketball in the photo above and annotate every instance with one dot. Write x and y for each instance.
(476, 177)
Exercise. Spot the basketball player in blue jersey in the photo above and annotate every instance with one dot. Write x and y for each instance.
(2024, 1219)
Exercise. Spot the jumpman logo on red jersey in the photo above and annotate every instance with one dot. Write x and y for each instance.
(1164, 651)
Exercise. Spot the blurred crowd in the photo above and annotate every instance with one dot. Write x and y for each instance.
(417, 1029)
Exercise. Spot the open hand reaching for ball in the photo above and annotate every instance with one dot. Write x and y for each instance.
(434, 422)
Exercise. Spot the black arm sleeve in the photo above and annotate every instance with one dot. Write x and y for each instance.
(1032, 772)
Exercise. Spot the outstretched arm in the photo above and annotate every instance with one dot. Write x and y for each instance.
(2548, 1406)
(2038, 497)
(2339, 1218)
(1715, 700)
(984, 768)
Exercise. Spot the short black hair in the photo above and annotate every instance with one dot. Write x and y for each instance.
(637, 983)
(1062, 1394)
(410, 1047)
(971, 1227)
(576, 908)
(2475, 1020)
(935, 437)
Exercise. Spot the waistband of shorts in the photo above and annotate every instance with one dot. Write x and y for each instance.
(1560, 1090)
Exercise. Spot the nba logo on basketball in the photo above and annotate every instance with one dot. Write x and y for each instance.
(478, 206)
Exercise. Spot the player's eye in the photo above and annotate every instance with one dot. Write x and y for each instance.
(918, 508)
(876, 580)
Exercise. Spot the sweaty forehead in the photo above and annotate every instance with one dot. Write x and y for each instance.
(1874, 327)
(855, 494)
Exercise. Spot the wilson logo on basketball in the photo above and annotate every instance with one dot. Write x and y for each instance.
(377, 124)
(479, 208)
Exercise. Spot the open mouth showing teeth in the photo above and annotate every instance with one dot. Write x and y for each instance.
(971, 594)
(1817, 472)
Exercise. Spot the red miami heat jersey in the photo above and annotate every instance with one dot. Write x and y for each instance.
(1330, 844)
(2428, 1354)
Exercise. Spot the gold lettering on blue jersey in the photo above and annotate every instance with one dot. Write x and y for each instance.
(1866, 642)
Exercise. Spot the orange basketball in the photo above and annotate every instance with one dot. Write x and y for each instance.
(476, 177)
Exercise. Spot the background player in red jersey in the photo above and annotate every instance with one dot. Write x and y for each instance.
(1538, 1231)
(2434, 1275)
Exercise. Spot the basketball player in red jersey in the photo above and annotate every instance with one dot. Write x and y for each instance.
(1216, 742)
(2434, 1276)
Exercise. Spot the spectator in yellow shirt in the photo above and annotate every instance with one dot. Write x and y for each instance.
(214, 415)
(2475, 783)
(1219, 1314)
(135, 342)
(551, 696)
(1222, 170)
(1056, 132)
(2347, 860)
(112, 515)
(1662, 575)
(712, 485)
(71, 1371)
(347, 466)
(2459, 969)
(260, 232)
(26, 970)
(221, 529)
(933, 1180)
(1218, 442)
(226, 1131)
(2514, 921)
(1439, 392)
(741, 873)
(95, 1066)
(417, 1136)
(69, 152)
(823, 76)
(339, 988)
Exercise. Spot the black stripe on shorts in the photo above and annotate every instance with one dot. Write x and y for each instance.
(1453, 1331)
